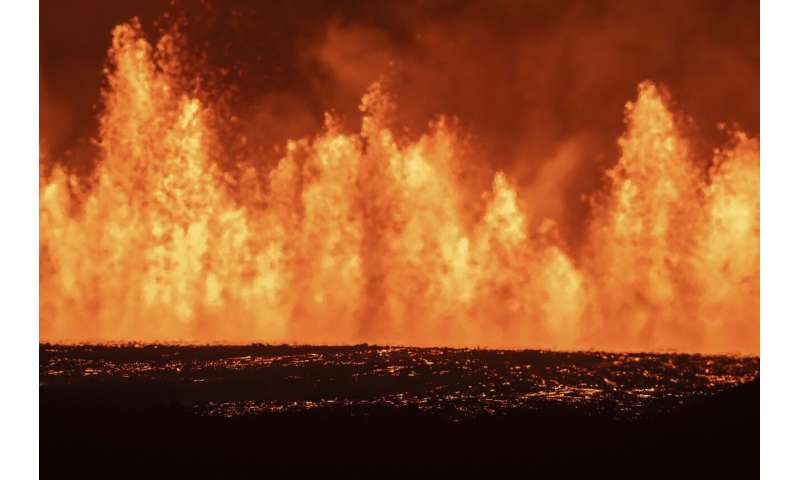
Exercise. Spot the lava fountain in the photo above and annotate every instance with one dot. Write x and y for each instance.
(370, 236)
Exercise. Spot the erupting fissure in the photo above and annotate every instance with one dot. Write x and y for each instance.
(358, 237)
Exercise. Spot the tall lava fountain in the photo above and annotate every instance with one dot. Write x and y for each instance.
(372, 236)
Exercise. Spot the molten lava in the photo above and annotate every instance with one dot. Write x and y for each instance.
(364, 236)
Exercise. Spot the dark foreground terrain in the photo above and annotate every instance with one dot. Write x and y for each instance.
(261, 411)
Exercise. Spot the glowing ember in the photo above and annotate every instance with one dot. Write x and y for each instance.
(454, 383)
(365, 237)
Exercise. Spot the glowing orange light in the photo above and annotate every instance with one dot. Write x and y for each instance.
(361, 237)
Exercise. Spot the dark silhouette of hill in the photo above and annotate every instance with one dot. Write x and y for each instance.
(94, 428)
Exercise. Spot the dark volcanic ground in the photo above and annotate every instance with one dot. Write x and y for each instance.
(380, 409)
